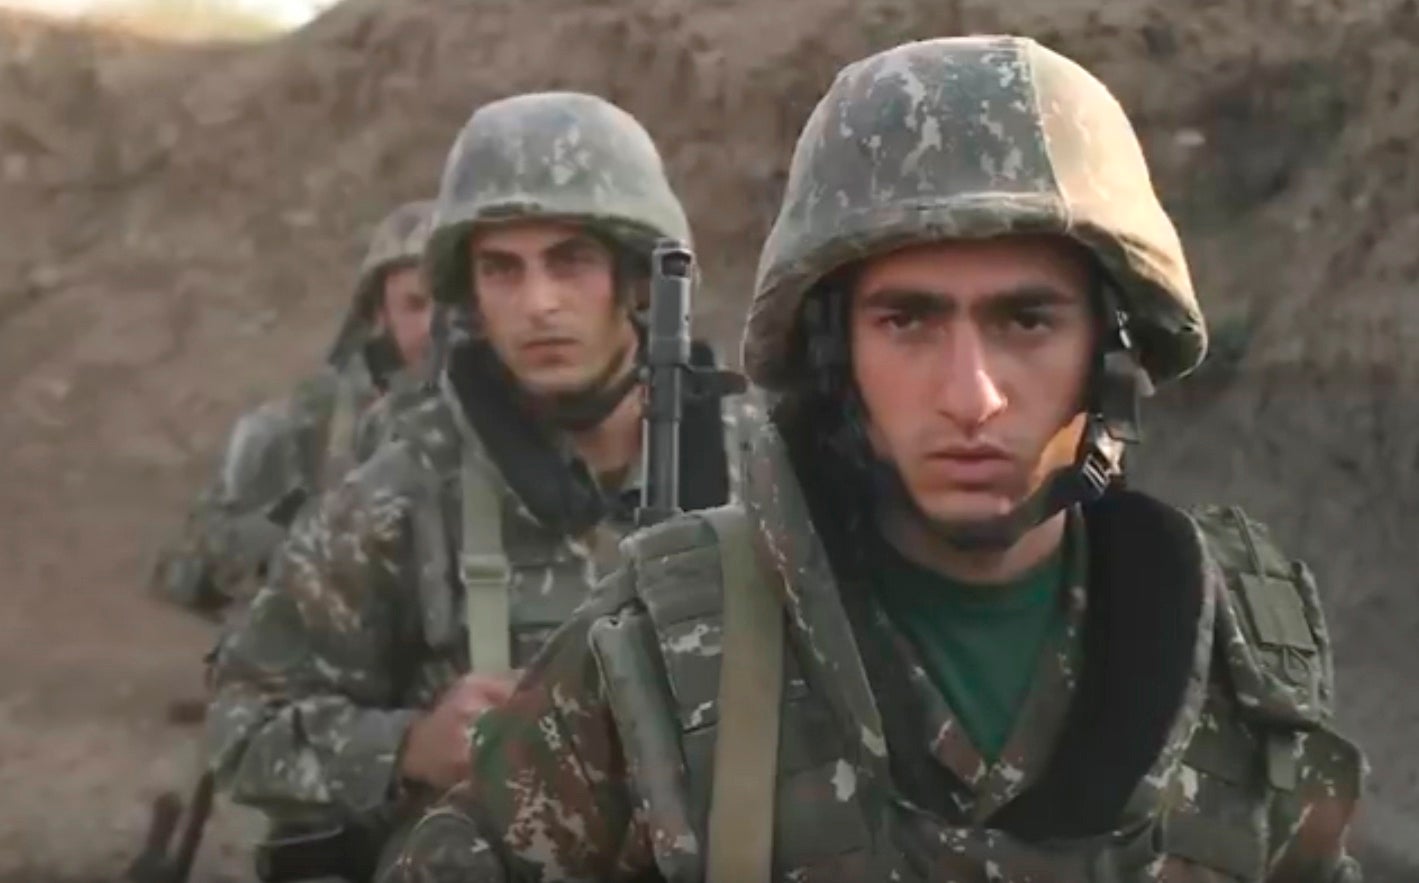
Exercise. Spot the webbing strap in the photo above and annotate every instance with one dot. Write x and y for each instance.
(336, 455)
(741, 815)
(483, 567)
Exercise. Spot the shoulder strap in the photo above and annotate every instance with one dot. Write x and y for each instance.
(482, 563)
(335, 459)
(741, 816)
(484, 570)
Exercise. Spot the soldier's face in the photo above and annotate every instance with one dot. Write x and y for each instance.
(546, 295)
(406, 312)
(972, 358)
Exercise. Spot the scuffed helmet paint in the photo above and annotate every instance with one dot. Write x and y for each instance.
(972, 137)
(399, 239)
(551, 155)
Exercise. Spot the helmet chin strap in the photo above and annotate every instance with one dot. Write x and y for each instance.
(440, 335)
(1098, 464)
(583, 409)
(1116, 389)
(1120, 384)
(382, 358)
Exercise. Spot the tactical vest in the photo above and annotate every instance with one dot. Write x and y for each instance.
(334, 402)
(508, 543)
(278, 459)
(493, 582)
(1271, 686)
(299, 445)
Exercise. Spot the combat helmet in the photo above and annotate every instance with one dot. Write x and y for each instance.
(977, 137)
(398, 241)
(551, 155)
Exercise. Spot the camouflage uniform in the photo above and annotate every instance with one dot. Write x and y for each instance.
(281, 453)
(475, 523)
(1179, 730)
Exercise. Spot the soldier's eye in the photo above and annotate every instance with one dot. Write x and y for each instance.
(902, 320)
(495, 268)
(1032, 318)
(575, 257)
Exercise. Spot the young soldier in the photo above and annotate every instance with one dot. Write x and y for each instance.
(283, 452)
(399, 610)
(939, 641)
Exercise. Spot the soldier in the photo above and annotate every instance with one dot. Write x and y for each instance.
(401, 608)
(281, 453)
(939, 640)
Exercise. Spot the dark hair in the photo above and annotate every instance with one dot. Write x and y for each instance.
(821, 388)
(823, 421)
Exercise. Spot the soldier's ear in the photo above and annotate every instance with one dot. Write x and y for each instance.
(630, 274)
(638, 294)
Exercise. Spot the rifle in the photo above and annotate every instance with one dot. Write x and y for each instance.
(344, 853)
(154, 864)
(670, 379)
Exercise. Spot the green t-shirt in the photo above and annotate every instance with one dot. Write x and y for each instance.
(979, 644)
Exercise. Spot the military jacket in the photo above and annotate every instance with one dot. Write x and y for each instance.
(1180, 731)
(278, 457)
(365, 624)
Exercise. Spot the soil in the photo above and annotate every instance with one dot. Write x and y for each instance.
(179, 227)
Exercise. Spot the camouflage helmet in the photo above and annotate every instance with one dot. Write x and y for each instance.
(554, 155)
(399, 239)
(972, 137)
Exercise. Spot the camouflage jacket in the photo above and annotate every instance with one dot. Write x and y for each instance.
(279, 455)
(364, 622)
(1179, 732)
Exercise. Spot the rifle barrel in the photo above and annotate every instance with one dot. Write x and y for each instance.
(667, 364)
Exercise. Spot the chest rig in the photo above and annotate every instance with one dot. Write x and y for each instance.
(493, 582)
(1222, 809)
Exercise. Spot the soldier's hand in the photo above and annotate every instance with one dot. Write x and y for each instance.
(436, 748)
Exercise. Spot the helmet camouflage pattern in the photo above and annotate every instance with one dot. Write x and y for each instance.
(973, 137)
(398, 240)
(554, 155)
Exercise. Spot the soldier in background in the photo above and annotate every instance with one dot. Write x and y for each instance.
(399, 611)
(283, 452)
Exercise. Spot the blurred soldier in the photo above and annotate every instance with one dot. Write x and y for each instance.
(285, 451)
